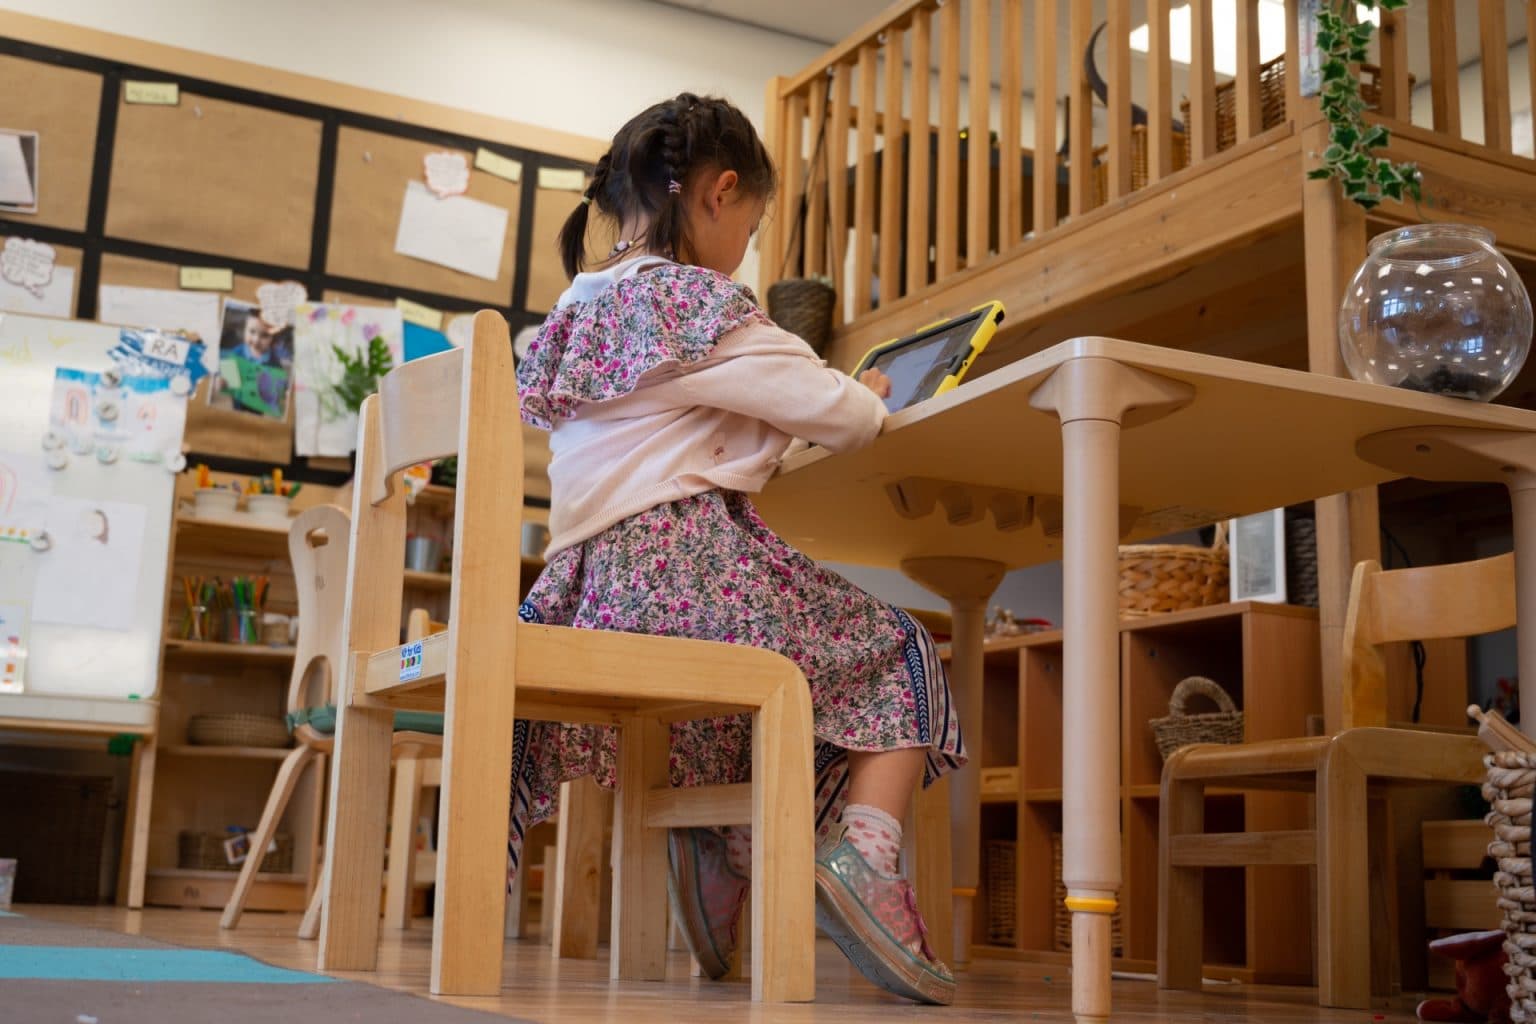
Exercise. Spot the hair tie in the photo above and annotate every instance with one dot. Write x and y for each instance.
(585, 199)
(673, 188)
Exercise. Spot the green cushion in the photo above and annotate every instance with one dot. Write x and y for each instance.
(323, 720)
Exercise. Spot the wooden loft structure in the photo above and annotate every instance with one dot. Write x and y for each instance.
(1193, 226)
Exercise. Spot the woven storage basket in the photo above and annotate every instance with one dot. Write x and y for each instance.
(1510, 784)
(1002, 890)
(237, 729)
(1062, 917)
(1139, 173)
(204, 851)
(1156, 578)
(1301, 560)
(1181, 728)
(803, 307)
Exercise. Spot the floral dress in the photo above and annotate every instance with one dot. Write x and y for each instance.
(707, 567)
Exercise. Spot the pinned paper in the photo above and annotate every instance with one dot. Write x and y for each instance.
(159, 355)
(71, 416)
(18, 171)
(458, 232)
(422, 316)
(13, 648)
(561, 179)
(322, 424)
(423, 341)
(28, 264)
(150, 426)
(460, 329)
(89, 575)
(277, 302)
(447, 174)
(498, 165)
(192, 314)
(24, 489)
(160, 94)
(57, 298)
(255, 361)
(208, 279)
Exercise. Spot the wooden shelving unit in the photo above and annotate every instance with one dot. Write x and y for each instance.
(1266, 657)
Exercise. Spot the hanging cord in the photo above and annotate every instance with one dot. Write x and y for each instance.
(1420, 654)
(798, 229)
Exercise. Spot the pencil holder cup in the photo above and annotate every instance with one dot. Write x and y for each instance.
(269, 508)
(423, 554)
(198, 623)
(214, 501)
(240, 626)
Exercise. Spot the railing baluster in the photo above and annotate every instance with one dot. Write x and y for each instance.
(1250, 116)
(793, 169)
(1010, 189)
(1043, 160)
(1396, 99)
(978, 143)
(864, 180)
(1160, 141)
(837, 180)
(1118, 35)
(1293, 100)
(816, 200)
(1080, 126)
(1444, 69)
(919, 209)
(771, 247)
(1495, 40)
(947, 258)
(890, 169)
(1202, 82)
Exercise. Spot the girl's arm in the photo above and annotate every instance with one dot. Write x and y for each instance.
(765, 372)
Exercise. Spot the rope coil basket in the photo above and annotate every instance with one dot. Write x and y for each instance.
(1510, 785)
(1002, 891)
(1181, 729)
(237, 729)
(1158, 578)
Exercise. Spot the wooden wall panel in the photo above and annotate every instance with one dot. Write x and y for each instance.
(62, 105)
(140, 273)
(216, 177)
(371, 175)
(546, 278)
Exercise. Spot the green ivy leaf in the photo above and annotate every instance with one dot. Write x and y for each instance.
(1321, 174)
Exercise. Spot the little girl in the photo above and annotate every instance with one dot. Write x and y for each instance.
(670, 397)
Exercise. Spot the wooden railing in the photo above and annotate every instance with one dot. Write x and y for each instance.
(889, 188)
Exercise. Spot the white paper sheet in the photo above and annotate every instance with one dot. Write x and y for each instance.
(457, 232)
(18, 188)
(89, 575)
(321, 426)
(58, 298)
(25, 485)
(167, 310)
(13, 647)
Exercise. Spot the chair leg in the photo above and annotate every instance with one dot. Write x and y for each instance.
(1181, 889)
(515, 918)
(784, 849)
(1343, 883)
(309, 928)
(136, 838)
(638, 945)
(576, 887)
(277, 802)
(1385, 952)
(402, 843)
(931, 871)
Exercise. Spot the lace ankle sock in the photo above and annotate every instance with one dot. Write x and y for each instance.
(876, 835)
(738, 849)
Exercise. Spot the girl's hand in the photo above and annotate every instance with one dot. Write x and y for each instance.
(877, 382)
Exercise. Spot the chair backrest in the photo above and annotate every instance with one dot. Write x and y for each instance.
(1431, 603)
(317, 549)
(463, 403)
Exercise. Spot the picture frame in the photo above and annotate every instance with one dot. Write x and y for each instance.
(1256, 557)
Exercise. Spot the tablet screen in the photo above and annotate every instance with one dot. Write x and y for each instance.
(917, 368)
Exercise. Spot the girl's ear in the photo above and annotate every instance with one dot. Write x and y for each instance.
(720, 191)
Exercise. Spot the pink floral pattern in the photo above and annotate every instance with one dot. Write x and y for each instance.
(594, 351)
(707, 567)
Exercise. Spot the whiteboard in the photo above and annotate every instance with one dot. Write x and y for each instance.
(80, 671)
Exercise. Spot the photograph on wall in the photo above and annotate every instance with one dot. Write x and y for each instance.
(340, 351)
(255, 363)
(18, 171)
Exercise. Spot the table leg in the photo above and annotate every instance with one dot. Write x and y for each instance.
(1092, 396)
(967, 584)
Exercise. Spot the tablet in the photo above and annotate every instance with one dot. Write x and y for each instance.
(933, 360)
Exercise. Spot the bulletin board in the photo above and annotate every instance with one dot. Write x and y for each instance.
(271, 176)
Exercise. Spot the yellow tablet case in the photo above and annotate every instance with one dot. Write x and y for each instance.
(988, 316)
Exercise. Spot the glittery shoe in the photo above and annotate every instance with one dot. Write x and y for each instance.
(875, 922)
(707, 896)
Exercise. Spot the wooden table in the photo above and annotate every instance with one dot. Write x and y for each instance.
(1075, 450)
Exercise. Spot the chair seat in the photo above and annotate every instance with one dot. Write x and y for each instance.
(323, 720)
(1265, 764)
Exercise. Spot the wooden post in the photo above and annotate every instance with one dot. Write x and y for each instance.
(1044, 157)
(1080, 109)
(1444, 68)
(889, 264)
(1202, 83)
(978, 143)
(1250, 118)
(837, 181)
(1159, 93)
(816, 205)
(771, 251)
(919, 143)
(572, 898)
(1118, 36)
(864, 181)
(1010, 189)
(1495, 45)
(947, 235)
(1396, 96)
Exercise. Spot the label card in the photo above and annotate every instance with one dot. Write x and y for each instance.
(160, 94)
(500, 166)
(560, 179)
(410, 662)
(208, 279)
(422, 316)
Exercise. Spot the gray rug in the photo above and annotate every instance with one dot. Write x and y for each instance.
(62, 973)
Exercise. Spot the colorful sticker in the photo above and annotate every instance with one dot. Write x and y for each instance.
(410, 662)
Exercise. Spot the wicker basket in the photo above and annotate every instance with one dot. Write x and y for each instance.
(998, 860)
(803, 307)
(1157, 578)
(237, 729)
(204, 851)
(1510, 784)
(1139, 158)
(1062, 917)
(1301, 560)
(1180, 728)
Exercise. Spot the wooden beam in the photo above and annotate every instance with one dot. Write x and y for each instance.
(919, 155)
(1396, 94)
(978, 147)
(1080, 110)
(837, 183)
(816, 198)
(1495, 46)
(864, 182)
(1118, 37)
(773, 237)
(1160, 140)
(1010, 190)
(1202, 82)
(1444, 68)
(1237, 849)
(895, 16)
(792, 237)
(1250, 118)
(947, 240)
(889, 265)
(1045, 117)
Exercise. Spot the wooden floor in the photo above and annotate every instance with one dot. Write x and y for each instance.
(555, 992)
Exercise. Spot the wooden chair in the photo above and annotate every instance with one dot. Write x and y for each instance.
(488, 666)
(317, 548)
(1343, 770)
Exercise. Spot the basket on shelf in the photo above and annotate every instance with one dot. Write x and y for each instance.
(803, 307)
(998, 860)
(1180, 728)
(1139, 162)
(1062, 917)
(206, 851)
(237, 729)
(1510, 784)
(1301, 560)
(1157, 578)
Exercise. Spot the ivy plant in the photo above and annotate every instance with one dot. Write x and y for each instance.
(1367, 179)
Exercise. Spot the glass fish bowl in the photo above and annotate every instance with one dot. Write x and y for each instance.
(1436, 308)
